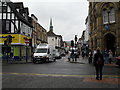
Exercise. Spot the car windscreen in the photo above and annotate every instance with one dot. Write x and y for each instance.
(41, 50)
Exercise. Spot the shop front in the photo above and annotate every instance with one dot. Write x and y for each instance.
(17, 50)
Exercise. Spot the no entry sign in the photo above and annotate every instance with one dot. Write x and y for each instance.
(27, 41)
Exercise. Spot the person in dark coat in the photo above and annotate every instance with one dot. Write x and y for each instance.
(72, 54)
(90, 56)
(98, 63)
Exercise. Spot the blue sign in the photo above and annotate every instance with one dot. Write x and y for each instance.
(106, 27)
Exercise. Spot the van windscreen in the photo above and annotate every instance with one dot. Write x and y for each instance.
(41, 50)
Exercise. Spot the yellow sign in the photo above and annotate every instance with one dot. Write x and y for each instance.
(16, 38)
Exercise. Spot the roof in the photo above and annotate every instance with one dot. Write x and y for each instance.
(18, 14)
(50, 33)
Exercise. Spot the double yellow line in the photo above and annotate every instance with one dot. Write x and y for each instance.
(62, 75)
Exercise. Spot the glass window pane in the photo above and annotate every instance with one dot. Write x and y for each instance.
(9, 9)
(112, 15)
(0, 15)
(4, 15)
(16, 24)
(0, 9)
(12, 15)
(105, 16)
(8, 16)
(12, 28)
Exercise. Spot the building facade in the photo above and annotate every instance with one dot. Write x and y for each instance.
(34, 32)
(41, 35)
(17, 23)
(105, 26)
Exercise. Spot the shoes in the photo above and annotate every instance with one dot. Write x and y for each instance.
(100, 78)
(97, 78)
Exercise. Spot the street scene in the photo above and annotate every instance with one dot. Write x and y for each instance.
(59, 74)
(42, 48)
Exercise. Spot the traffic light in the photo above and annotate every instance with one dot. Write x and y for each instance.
(72, 43)
(9, 38)
(5, 42)
(75, 37)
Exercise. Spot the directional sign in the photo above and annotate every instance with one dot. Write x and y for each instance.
(27, 41)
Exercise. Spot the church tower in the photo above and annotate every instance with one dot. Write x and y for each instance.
(51, 27)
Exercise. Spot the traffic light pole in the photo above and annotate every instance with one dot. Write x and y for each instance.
(26, 52)
(7, 53)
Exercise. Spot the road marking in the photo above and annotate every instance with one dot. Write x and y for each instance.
(105, 76)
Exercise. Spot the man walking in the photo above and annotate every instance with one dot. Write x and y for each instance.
(98, 63)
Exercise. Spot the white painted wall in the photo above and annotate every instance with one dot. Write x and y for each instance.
(54, 41)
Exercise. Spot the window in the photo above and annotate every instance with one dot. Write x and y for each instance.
(105, 16)
(13, 16)
(8, 26)
(0, 9)
(108, 15)
(9, 10)
(4, 15)
(8, 16)
(112, 15)
(12, 28)
(4, 9)
(0, 15)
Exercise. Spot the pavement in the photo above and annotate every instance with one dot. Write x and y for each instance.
(111, 79)
(85, 61)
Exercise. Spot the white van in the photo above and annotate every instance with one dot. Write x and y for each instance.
(43, 52)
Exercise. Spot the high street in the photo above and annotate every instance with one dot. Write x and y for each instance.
(59, 74)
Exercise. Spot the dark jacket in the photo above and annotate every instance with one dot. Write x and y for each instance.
(96, 56)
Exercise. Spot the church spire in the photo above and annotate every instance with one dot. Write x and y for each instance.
(51, 27)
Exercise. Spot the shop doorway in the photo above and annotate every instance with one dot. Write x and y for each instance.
(110, 42)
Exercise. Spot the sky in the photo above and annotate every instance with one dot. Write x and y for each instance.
(68, 16)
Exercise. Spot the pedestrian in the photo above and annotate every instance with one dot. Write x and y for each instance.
(94, 51)
(98, 63)
(83, 54)
(76, 54)
(110, 56)
(90, 56)
(72, 54)
(106, 56)
(69, 55)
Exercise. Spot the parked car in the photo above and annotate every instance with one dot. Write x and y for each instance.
(58, 56)
(118, 60)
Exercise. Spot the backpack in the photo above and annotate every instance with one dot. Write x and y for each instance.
(99, 61)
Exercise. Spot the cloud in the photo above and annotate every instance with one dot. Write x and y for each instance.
(68, 15)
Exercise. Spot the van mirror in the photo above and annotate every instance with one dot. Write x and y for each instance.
(48, 51)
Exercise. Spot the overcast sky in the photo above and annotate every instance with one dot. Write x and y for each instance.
(68, 16)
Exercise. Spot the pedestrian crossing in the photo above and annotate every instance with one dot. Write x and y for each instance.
(60, 75)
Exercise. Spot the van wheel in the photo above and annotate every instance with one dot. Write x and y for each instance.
(47, 60)
(54, 60)
(34, 61)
